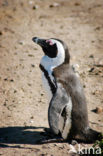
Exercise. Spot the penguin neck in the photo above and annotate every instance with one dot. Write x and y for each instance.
(51, 63)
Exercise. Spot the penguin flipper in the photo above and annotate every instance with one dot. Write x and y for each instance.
(59, 112)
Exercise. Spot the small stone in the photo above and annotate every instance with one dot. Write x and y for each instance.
(11, 80)
(77, 4)
(21, 42)
(54, 5)
(74, 142)
(91, 56)
(39, 100)
(42, 154)
(91, 70)
(30, 55)
(1, 33)
(5, 103)
(22, 4)
(42, 94)
(92, 41)
(45, 146)
(93, 93)
(75, 67)
(55, 144)
(15, 91)
(35, 7)
(99, 120)
(97, 28)
(84, 86)
(31, 121)
(96, 73)
(6, 79)
(31, 117)
(30, 2)
(33, 65)
(29, 84)
(99, 110)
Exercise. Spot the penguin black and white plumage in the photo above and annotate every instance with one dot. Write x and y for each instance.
(67, 113)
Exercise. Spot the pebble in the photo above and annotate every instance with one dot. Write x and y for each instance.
(33, 65)
(35, 7)
(42, 154)
(30, 2)
(42, 94)
(99, 110)
(1, 33)
(29, 84)
(45, 146)
(30, 55)
(77, 4)
(5, 103)
(11, 80)
(84, 86)
(75, 67)
(54, 5)
(74, 142)
(97, 28)
(21, 42)
(31, 117)
(5, 79)
(96, 73)
(15, 91)
(31, 121)
(91, 69)
(91, 56)
(92, 41)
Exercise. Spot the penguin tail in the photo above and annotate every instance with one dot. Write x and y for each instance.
(91, 136)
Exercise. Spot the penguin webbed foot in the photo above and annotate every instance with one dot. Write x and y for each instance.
(50, 137)
(50, 140)
(48, 132)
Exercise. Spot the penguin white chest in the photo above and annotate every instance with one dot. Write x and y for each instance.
(46, 87)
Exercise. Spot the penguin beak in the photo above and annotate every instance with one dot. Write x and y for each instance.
(41, 42)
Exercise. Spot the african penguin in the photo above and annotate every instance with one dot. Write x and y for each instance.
(67, 113)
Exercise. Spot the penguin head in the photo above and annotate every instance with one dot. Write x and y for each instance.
(49, 47)
(55, 49)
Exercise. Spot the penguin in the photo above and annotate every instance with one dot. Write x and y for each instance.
(67, 112)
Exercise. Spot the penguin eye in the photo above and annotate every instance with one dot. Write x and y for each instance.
(49, 42)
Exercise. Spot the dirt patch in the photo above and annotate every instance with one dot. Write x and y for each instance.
(23, 103)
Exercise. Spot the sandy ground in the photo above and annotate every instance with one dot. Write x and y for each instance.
(23, 103)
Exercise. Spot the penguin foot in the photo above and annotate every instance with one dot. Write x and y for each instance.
(50, 137)
(93, 135)
(48, 130)
(48, 133)
(89, 136)
(52, 140)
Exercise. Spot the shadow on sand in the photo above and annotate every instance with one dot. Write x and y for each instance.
(20, 135)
